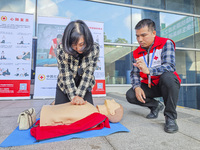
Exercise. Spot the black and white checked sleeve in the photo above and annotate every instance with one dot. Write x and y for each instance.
(65, 79)
(88, 76)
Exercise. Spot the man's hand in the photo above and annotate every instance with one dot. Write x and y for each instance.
(140, 95)
(141, 65)
(78, 101)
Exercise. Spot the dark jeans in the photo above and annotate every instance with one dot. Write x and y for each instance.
(168, 88)
(63, 98)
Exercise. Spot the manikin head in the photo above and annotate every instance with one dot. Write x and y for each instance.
(112, 110)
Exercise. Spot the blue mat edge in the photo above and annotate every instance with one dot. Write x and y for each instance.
(98, 133)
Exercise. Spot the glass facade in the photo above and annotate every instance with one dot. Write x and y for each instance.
(187, 70)
(175, 19)
(198, 78)
(150, 3)
(184, 6)
(179, 28)
(181, 5)
(116, 19)
(22, 6)
(117, 64)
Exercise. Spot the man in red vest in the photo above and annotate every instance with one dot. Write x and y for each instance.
(154, 75)
(54, 45)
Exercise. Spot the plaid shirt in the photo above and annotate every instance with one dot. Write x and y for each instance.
(167, 64)
(68, 66)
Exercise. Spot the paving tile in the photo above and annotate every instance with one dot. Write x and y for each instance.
(144, 133)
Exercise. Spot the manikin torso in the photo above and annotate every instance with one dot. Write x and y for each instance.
(67, 113)
(64, 114)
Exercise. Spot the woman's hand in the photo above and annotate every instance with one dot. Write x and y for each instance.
(78, 101)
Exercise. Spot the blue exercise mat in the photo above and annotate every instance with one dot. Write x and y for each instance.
(23, 137)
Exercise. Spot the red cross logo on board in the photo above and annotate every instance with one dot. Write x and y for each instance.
(3, 18)
(155, 57)
(41, 77)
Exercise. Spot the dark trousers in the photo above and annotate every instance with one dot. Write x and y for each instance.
(63, 98)
(168, 88)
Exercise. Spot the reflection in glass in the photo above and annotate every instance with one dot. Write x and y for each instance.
(185, 6)
(120, 1)
(21, 6)
(179, 28)
(116, 19)
(153, 15)
(136, 17)
(188, 97)
(139, 14)
(198, 65)
(117, 64)
(198, 78)
(150, 3)
(196, 7)
(198, 97)
(197, 32)
(186, 68)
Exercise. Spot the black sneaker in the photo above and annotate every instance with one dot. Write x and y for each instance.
(170, 125)
(154, 111)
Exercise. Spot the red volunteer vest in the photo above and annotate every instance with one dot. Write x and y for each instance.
(158, 45)
(53, 46)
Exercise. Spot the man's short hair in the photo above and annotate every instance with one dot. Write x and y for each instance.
(146, 22)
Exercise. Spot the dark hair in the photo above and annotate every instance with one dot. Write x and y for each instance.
(72, 33)
(146, 22)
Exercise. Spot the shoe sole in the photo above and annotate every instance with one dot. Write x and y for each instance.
(151, 117)
(170, 131)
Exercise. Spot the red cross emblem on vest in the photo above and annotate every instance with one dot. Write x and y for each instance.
(155, 57)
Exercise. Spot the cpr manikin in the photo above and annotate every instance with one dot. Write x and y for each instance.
(66, 114)
(112, 110)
